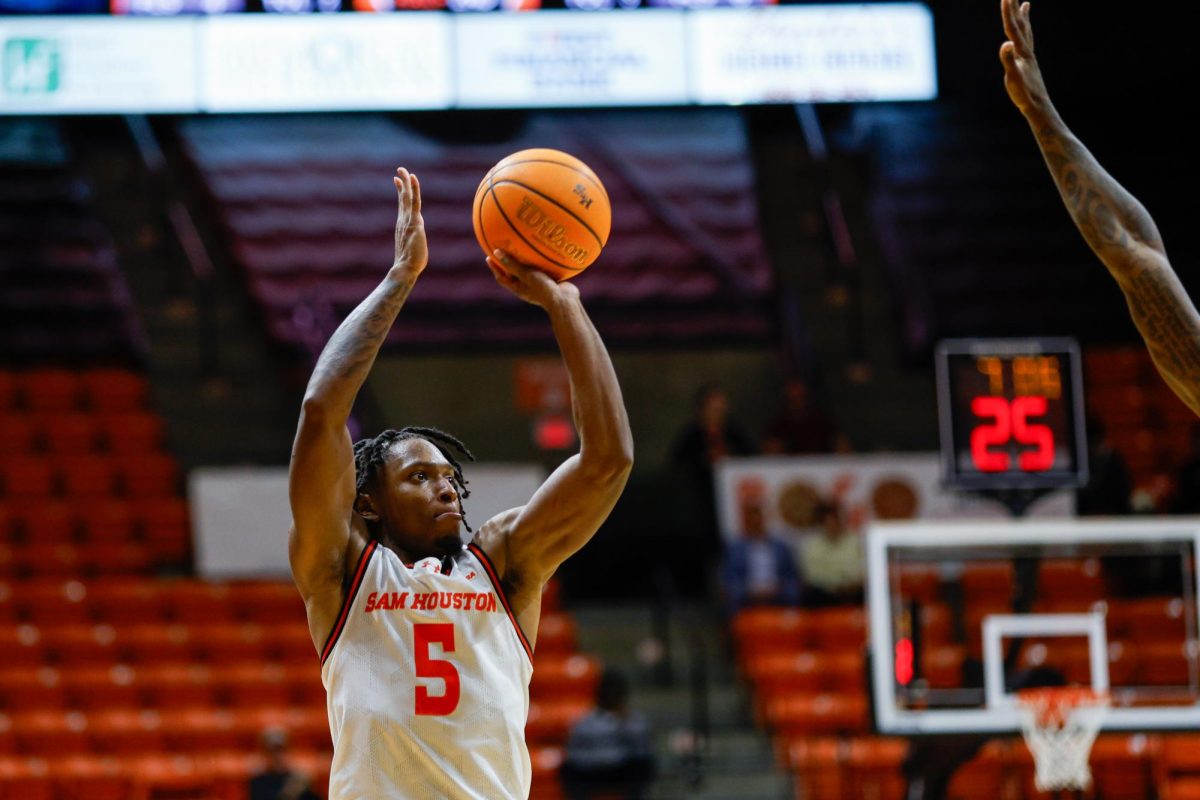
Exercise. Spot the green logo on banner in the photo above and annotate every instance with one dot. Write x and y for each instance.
(31, 66)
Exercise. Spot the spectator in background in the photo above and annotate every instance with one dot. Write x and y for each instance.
(1109, 485)
(705, 439)
(800, 426)
(832, 560)
(278, 781)
(758, 568)
(609, 753)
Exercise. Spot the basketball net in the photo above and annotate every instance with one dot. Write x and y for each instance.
(1060, 725)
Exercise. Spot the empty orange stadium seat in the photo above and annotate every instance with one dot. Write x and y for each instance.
(124, 601)
(840, 628)
(81, 645)
(546, 762)
(225, 643)
(55, 602)
(95, 777)
(556, 634)
(1153, 619)
(148, 474)
(814, 714)
(131, 432)
(762, 630)
(982, 776)
(198, 602)
(780, 674)
(1168, 664)
(942, 666)
(28, 476)
(197, 728)
(168, 776)
(289, 642)
(550, 722)
(155, 644)
(25, 778)
(987, 583)
(87, 476)
(873, 767)
(115, 558)
(1180, 789)
(102, 687)
(164, 526)
(304, 683)
(920, 583)
(572, 676)
(816, 765)
(1123, 765)
(252, 684)
(57, 732)
(267, 602)
(50, 389)
(43, 520)
(22, 645)
(937, 625)
(69, 432)
(106, 520)
(8, 607)
(19, 434)
(126, 731)
(178, 686)
(114, 389)
(48, 560)
(31, 688)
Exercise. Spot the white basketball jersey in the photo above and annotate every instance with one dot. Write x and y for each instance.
(427, 678)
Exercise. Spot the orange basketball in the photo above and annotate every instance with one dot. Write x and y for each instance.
(545, 208)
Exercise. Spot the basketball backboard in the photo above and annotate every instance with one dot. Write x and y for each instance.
(962, 615)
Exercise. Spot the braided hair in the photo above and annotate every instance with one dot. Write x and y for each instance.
(370, 456)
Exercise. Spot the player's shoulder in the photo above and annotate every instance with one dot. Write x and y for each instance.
(492, 536)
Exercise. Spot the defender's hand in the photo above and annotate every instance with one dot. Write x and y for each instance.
(412, 252)
(529, 284)
(1022, 76)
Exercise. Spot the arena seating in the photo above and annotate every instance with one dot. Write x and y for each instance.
(308, 211)
(806, 672)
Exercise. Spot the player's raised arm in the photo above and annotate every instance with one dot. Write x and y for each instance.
(321, 483)
(1115, 225)
(573, 502)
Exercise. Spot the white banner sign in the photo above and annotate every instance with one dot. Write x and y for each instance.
(867, 487)
(241, 516)
(808, 54)
(346, 62)
(52, 65)
(571, 58)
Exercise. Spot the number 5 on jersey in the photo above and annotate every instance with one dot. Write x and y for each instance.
(424, 635)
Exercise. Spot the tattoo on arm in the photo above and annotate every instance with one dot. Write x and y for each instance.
(1123, 235)
(351, 351)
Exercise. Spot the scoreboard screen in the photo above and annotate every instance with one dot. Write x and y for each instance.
(1011, 413)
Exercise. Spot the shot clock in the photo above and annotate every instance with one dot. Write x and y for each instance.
(1011, 413)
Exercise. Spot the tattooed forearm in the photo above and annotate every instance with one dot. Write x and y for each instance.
(1123, 235)
(351, 351)
(1111, 220)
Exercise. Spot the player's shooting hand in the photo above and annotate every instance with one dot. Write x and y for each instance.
(1022, 76)
(529, 284)
(412, 252)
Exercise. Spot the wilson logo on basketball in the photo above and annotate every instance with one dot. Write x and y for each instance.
(549, 232)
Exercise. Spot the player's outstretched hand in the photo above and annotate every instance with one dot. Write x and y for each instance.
(412, 252)
(529, 284)
(1022, 76)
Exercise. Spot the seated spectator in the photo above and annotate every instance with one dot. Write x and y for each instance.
(832, 560)
(758, 568)
(278, 781)
(609, 754)
(800, 426)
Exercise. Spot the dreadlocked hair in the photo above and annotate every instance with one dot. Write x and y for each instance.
(369, 456)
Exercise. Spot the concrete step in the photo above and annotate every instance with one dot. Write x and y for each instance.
(718, 786)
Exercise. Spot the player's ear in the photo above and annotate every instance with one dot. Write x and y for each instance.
(364, 506)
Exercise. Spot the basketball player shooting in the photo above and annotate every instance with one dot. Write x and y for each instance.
(426, 642)
(1116, 226)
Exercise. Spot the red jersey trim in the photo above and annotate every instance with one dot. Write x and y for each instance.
(495, 579)
(351, 593)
